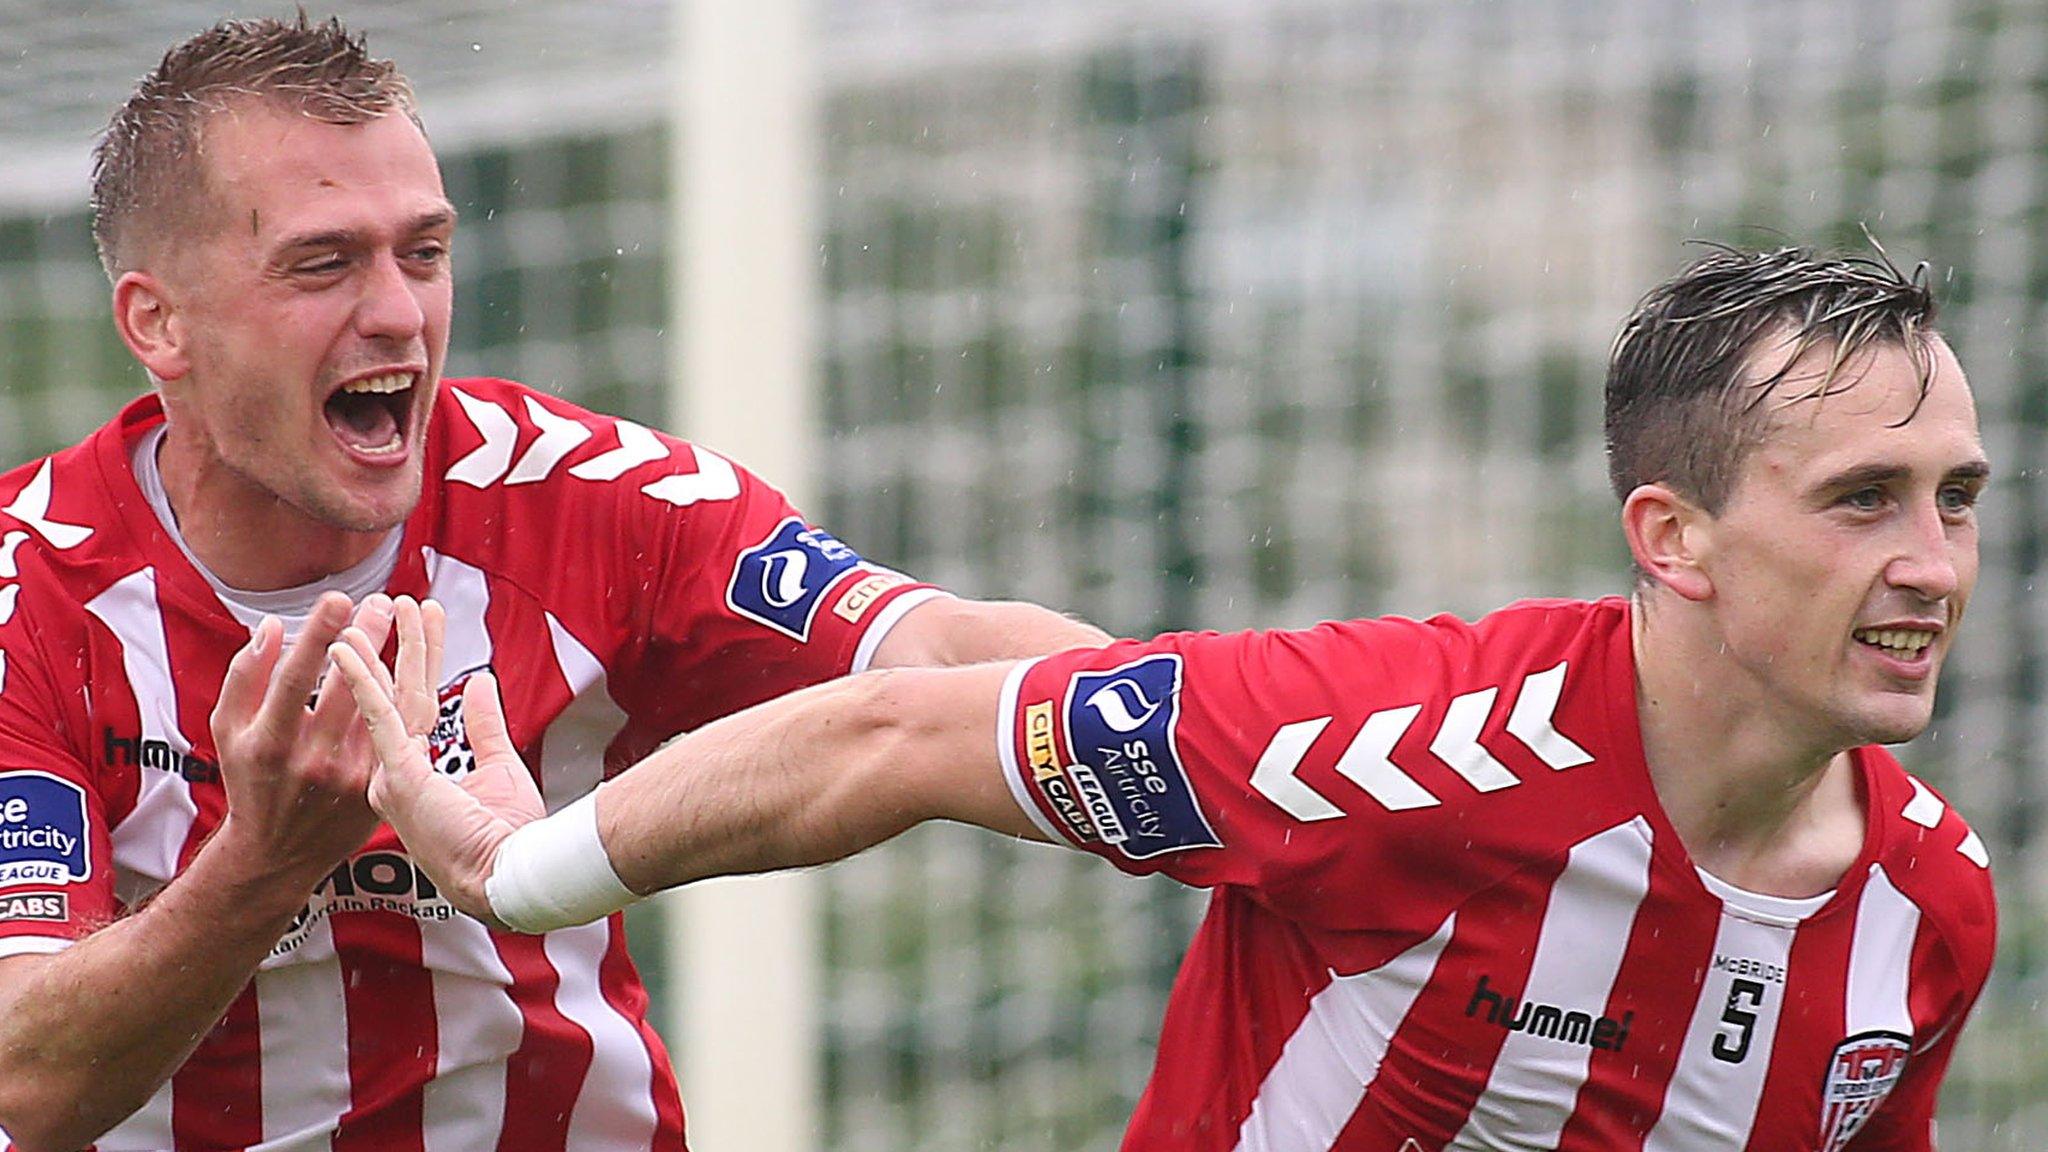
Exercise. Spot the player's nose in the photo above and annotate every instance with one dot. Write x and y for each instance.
(390, 305)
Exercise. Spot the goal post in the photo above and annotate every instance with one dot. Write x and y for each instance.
(741, 953)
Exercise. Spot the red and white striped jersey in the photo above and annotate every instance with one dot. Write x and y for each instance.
(622, 584)
(1449, 912)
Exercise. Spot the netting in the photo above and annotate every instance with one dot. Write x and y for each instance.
(1242, 313)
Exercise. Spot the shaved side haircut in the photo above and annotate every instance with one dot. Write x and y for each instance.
(149, 178)
(1684, 404)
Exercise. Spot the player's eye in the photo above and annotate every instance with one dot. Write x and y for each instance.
(1957, 499)
(1864, 499)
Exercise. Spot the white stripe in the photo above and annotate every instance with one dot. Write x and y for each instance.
(148, 841)
(1924, 808)
(1874, 1000)
(1274, 775)
(488, 460)
(1013, 773)
(637, 446)
(615, 1107)
(1531, 721)
(8, 544)
(32, 946)
(147, 1129)
(1536, 1079)
(1881, 959)
(1369, 763)
(32, 507)
(1457, 742)
(8, 595)
(713, 480)
(887, 618)
(465, 592)
(558, 437)
(479, 1027)
(572, 752)
(1322, 1073)
(1711, 1103)
(302, 1017)
(312, 1140)
(1972, 849)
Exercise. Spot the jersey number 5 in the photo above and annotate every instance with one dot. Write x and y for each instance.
(1738, 1021)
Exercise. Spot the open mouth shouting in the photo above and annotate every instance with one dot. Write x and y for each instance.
(372, 416)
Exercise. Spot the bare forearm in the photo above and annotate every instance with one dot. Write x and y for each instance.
(88, 1034)
(811, 778)
(947, 632)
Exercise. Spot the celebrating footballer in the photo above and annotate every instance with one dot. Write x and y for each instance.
(1632, 873)
(211, 942)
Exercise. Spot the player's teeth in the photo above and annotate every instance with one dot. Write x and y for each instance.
(389, 382)
(1903, 640)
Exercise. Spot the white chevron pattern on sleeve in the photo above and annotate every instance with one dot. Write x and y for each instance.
(558, 437)
(1531, 721)
(487, 462)
(32, 507)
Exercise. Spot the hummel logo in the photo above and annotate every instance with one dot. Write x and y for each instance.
(1548, 1020)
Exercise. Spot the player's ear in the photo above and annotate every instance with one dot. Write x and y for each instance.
(151, 326)
(1668, 536)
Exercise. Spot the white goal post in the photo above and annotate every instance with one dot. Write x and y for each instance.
(742, 953)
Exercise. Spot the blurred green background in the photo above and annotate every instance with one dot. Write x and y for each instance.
(1213, 314)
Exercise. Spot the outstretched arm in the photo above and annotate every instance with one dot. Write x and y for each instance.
(945, 631)
(805, 779)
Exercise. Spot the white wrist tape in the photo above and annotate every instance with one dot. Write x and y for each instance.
(554, 873)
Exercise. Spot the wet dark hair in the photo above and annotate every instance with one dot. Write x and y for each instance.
(1683, 406)
(147, 173)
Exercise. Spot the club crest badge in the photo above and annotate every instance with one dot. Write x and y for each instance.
(448, 744)
(1862, 1071)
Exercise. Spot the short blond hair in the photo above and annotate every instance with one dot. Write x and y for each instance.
(146, 171)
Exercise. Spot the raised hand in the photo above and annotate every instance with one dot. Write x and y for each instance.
(296, 768)
(453, 829)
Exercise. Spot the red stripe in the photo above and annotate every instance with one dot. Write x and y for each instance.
(392, 1031)
(1244, 953)
(217, 1096)
(542, 1078)
(620, 982)
(1816, 1004)
(1669, 950)
(199, 653)
(1446, 1041)
(114, 716)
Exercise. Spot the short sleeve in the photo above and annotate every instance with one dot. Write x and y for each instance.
(1369, 773)
(759, 601)
(56, 871)
(693, 581)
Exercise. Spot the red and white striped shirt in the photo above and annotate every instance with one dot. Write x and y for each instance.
(1450, 913)
(623, 586)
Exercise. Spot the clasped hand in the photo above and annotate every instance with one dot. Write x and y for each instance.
(294, 758)
(452, 828)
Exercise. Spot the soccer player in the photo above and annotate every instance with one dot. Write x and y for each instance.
(1630, 874)
(206, 940)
